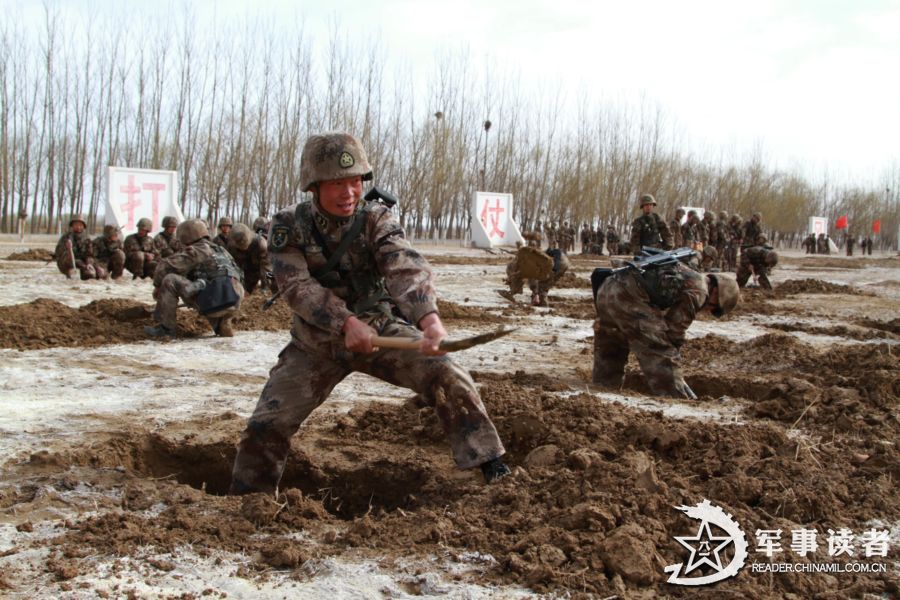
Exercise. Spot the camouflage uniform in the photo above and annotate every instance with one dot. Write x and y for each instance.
(810, 243)
(586, 242)
(756, 260)
(612, 241)
(539, 287)
(735, 239)
(570, 238)
(752, 230)
(650, 230)
(597, 240)
(851, 241)
(822, 244)
(140, 255)
(709, 228)
(84, 255)
(176, 278)
(108, 254)
(675, 228)
(721, 239)
(381, 278)
(166, 244)
(254, 262)
(654, 329)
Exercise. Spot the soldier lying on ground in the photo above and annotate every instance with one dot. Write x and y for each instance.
(74, 251)
(204, 276)
(348, 273)
(648, 313)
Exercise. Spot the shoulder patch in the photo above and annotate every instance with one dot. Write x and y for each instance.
(280, 236)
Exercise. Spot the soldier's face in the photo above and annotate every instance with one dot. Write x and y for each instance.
(77, 226)
(170, 230)
(225, 229)
(647, 208)
(339, 197)
(143, 232)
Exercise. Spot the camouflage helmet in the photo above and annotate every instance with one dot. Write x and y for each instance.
(260, 223)
(145, 224)
(757, 216)
(729, 293)
(647, 199)
(679, 212)
(191, 230)
(771, 259)
(78, 217)
(240, 237)
(226, 221)
(761, 239)
(723, 215)
(332, 156)
(169, 222)
(109, 230)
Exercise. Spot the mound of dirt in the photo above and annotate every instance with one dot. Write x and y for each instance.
(45, 323)
(892, 326)
(451, 311)
(589, 510)
(36, 254)
(843, 331)
(815, 286)
(571, 280)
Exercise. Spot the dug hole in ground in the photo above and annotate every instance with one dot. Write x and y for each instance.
(116, 450)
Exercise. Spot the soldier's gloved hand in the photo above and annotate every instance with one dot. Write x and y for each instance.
(358, 336)
(432, 333)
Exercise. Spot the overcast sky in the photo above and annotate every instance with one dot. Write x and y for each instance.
(816, 83)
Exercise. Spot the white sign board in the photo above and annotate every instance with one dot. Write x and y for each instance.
(818, 225)
(141, 193)
(492, 220)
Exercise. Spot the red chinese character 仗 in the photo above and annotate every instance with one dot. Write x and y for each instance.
(493, 214)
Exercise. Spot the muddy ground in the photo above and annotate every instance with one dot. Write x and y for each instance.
(118, 449)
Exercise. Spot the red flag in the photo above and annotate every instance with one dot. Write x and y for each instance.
(876, 226)
(841, 223)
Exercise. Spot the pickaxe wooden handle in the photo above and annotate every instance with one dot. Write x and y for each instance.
(408, 343)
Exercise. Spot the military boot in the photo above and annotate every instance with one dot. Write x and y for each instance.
(159, 331)
(223, 327)
(507, 294)
(494, 470)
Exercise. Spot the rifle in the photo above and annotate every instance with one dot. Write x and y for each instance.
(648, 258)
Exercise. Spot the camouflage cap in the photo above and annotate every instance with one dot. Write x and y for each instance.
(647, 199)
(78, 217)
(145, 224)
(226, 221)
(169, 222)
(729, 293)
(260, 223)
(191, 230)
(240, 237)
(332, 156)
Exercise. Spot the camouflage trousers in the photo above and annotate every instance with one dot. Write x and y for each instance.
(87, 269)
(627, 322)
(746, 269)
(175, 287)
(306, 373)
(114, 265)
(140, 264)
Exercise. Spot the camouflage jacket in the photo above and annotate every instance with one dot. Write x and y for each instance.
(735, 233)
(611, 236)
(721, 233)
(650, 230)
(684, 289)
(380, 254)
(677, 237)
(135, 243)
(254, 260)
(756, 256)
(191, 261)
(712, 233)
(104, 249)
(166, 245)
(751, 232)
(81, 246)
(221, 240)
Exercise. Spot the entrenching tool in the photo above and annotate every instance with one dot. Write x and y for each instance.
(408, 343)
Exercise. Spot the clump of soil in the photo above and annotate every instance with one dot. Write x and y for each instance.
(451, 311)
(590, 508)
(844, 331)
(892, 326)
(36, 254)
(815, 286)
(45, 323)
(571, 280)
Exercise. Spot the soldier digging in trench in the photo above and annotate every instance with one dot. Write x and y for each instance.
(348, 273)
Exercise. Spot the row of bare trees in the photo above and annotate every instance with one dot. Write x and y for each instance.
(229, 109)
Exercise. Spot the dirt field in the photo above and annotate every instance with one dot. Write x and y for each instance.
(116, 450)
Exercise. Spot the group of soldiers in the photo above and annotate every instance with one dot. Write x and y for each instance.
(821, 245)
(184, 250)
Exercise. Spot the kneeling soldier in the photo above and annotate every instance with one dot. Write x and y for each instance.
(204, 276)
